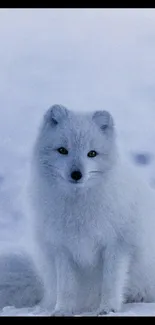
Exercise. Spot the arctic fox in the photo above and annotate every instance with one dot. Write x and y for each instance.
(93, 223)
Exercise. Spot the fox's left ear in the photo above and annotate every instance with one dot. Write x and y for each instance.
(104, 120)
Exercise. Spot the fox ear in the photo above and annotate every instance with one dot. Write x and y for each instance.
(104, 120)
(55, 114)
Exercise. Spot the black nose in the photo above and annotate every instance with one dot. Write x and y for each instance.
(76, 175)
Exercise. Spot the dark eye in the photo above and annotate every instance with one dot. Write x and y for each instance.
(63, 151)
(92, 154)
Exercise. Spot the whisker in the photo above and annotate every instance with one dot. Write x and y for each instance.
(96, 172)
(47, 163)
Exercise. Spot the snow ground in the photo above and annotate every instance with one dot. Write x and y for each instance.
(85, 59)
(138, 309)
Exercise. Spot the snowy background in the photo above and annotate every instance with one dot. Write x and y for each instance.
(85, 59)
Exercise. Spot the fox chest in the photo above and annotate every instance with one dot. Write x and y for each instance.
(86, 251)
(82, 237)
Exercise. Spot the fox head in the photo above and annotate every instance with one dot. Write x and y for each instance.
(75, 148)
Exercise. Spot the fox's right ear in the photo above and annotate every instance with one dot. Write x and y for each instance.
(55, 114)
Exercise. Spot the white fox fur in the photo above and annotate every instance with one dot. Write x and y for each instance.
(95, 243)
(96, 236)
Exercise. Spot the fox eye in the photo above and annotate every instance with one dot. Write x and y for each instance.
(92, 154)
(63, 151)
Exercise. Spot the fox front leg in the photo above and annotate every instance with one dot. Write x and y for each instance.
(67, 286)
(115, 268)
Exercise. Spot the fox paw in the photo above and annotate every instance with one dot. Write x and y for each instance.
(61, 313)
(105, 309)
